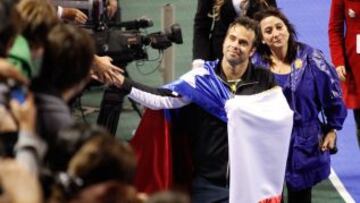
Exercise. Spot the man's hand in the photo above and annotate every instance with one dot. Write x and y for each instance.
(341, 71)
(329, 141)
(112, 8)
(74, 15)
(106, 72)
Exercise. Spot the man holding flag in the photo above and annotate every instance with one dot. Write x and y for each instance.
(229, 101)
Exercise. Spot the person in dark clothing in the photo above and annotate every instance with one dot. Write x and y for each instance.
(212, 20)
(233, 75)
(68, 54)
(9, 25)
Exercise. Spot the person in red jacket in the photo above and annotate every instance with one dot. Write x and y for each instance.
(345, 51)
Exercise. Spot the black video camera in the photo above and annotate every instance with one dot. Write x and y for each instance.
(124, 42)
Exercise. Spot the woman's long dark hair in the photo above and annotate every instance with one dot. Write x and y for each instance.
(264, 49)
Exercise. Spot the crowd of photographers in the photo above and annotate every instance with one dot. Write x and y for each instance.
(46, 156)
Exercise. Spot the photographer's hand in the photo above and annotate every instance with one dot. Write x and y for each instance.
(74, 15)
(24, 114)
(8, 71)
(106, 72)
(112, 8)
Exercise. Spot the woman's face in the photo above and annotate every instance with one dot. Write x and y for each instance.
(274, 32)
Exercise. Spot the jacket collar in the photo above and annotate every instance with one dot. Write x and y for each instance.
(245, 78)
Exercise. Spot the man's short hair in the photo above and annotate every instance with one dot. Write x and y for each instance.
(68, 55)
(104, 158)
(247, 23)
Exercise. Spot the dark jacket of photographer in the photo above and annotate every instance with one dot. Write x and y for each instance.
(209, 34)
(53, 114)
(208, 134)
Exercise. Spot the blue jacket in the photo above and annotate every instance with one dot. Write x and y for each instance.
(312, 86)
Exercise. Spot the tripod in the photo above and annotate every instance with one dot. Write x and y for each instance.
(112, 106)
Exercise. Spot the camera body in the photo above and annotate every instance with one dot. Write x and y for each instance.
(124, 41)
(125, 46)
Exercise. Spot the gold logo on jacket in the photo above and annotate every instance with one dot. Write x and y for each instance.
(298, 63)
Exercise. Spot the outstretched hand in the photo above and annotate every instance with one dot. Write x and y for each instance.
(104, 71)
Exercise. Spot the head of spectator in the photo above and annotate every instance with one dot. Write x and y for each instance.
(9, 25)
(38, 18)
(101, 169)
(284, 33)
(68, 55)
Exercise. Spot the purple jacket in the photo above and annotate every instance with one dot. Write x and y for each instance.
(312, 86)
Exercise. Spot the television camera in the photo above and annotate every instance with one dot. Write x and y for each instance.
(123, 41)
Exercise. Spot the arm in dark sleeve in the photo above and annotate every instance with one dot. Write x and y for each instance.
(129, 84)
(153, 98)
(202, 29)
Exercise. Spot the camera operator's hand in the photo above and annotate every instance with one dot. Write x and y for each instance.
(24, 114)
(18, 184)
(112, 7)
(74, 15)
(106, 72)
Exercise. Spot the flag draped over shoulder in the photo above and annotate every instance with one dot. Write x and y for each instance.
(153, 141)
(153, 148)
(259, 130)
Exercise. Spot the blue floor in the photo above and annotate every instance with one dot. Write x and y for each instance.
(311, 20)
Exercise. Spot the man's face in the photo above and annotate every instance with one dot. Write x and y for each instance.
(238, 45)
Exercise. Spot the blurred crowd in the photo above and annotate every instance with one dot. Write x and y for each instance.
(45, 155)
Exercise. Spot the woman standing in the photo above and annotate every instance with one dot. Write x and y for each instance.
(212, 20)
(345, 50)
(310, 85)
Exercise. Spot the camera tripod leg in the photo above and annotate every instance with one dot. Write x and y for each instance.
(134, 105)
(111, 108)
